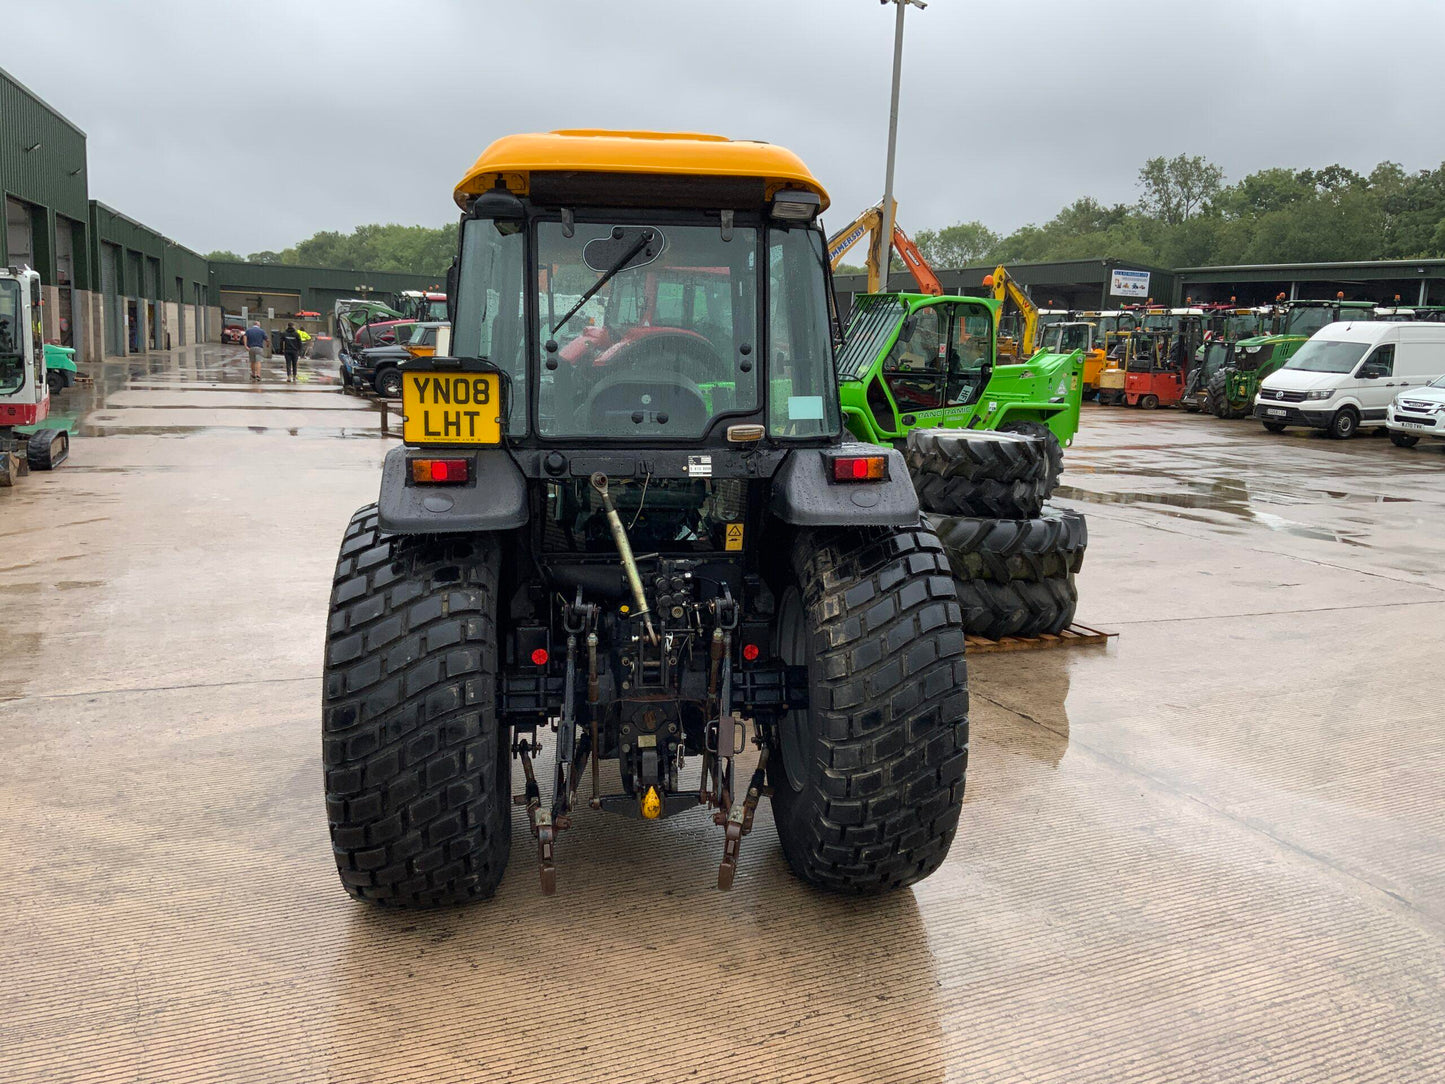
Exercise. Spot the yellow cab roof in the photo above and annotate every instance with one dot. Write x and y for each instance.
(515, 158)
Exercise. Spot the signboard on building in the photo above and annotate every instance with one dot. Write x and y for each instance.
(1129, 284)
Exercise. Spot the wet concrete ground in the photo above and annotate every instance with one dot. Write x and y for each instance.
(1211, 851)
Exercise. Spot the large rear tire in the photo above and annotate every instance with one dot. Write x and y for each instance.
(868, 781)
(965, 473)
(1049, 545)
(417, 767)
(1216, 396)
(1019, 607)
(1053, 450)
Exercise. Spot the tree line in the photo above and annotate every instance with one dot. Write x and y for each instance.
(1185, 216)
(421, 250)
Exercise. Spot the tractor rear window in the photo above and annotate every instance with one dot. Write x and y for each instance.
(646, 331)
(802, 396)
(489, 307)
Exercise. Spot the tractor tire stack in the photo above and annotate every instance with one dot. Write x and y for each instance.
(1014, 557)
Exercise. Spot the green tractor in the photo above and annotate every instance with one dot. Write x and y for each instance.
(1232, 385)
(918, 361)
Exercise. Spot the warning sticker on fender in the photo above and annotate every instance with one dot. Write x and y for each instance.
(734, 537)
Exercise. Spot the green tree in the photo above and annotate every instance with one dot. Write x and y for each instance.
(264, 257)
(1174, 188)
(959, 245)
(223, 255)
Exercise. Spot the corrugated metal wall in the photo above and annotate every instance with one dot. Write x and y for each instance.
(318, 287)
(42, 162)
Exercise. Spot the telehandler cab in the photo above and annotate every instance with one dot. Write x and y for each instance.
(25, 383)
(626, 518)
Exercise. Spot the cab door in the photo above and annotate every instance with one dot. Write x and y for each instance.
(1375, 383)
(915, 369)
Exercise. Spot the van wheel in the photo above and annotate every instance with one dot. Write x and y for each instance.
(1344, 423)
(1403, 440)
(1274, 427)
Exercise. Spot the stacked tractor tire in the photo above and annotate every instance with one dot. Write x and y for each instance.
(1014, 556)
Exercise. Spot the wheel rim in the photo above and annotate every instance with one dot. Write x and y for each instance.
(1346, 424)
(390, 384)
(793, 729)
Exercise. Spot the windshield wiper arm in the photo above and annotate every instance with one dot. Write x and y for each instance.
(643, 238)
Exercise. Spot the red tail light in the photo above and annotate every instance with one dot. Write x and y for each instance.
(441, 472)
(539, 657)
(751, 652)
(860, 468)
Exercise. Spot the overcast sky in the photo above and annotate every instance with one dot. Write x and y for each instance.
(251, 126)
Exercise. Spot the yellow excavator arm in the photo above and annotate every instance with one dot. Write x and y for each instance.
(870, 224)
(1008, 292)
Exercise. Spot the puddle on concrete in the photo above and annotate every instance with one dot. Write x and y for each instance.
(86, 410)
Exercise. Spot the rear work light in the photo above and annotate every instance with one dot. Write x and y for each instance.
(860, 468)
(441, 472)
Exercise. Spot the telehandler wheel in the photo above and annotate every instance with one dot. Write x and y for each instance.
(1049, 545)
(965, 473)
(1019, 607)
(1403, 440)
(868, 781)
(47, 449)
(1053, 450)
(417, 767)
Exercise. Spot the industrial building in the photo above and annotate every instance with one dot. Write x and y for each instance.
(114, 286)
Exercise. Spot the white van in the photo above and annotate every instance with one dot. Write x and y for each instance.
(1348, 373)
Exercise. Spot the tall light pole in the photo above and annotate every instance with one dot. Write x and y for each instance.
(886, 240)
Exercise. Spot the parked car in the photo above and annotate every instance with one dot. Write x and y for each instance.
(378, 366)
(383, 334)
(1416, 413)
(1348, 374)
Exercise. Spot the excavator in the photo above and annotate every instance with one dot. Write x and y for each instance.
(870, 224)
(1025, 316)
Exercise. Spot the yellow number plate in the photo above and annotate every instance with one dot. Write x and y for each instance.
(451, 408)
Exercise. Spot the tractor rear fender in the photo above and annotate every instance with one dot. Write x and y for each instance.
(805, 495)
(494, 500)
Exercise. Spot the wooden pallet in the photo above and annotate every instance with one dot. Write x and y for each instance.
(1073, 636)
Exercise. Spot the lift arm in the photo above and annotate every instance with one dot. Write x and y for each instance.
(1007, 291)
(870, 224)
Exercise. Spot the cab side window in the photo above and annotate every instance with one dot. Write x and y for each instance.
(914, 368)
(1380, 363)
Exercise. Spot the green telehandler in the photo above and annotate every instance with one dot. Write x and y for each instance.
(921, 361)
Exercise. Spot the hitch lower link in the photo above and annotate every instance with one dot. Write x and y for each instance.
(726, 737)
(579, 620)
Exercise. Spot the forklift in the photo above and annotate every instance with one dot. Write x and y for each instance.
(24, 385)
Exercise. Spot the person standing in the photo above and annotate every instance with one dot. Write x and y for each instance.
(255, 345)
(291, 347)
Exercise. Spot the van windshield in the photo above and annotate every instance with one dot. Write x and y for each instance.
(1327, 356)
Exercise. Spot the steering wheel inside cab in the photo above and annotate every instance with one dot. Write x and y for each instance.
(652, 389)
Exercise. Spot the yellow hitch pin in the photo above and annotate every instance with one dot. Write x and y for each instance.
(651, 804)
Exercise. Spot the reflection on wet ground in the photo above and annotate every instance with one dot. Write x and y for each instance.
(204, 387)
(1211, 851)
